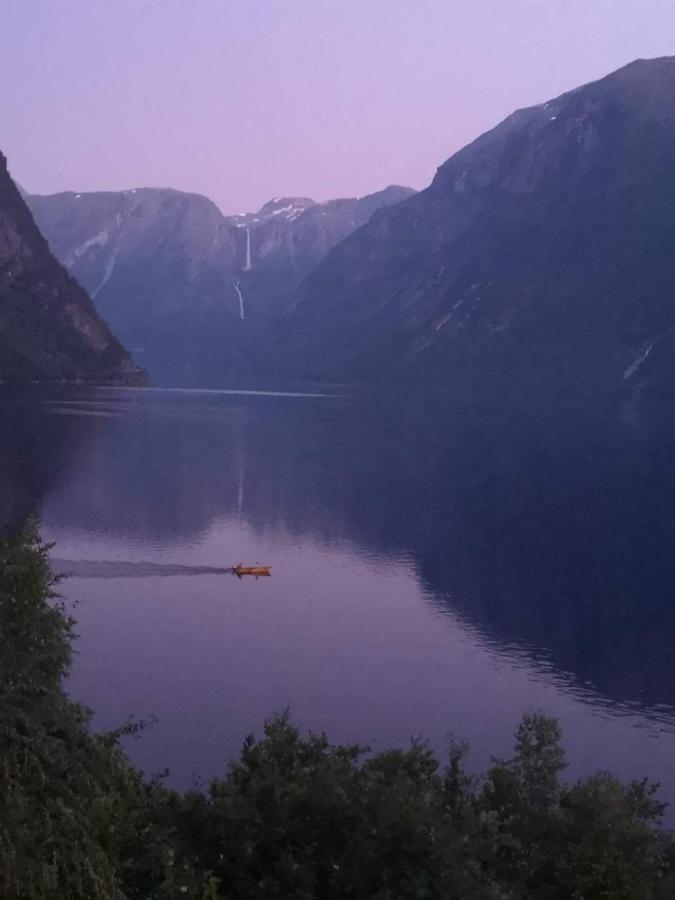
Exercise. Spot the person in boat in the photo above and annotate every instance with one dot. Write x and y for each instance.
(257, 571)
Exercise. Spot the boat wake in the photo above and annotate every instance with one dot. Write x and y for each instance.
(84, 568)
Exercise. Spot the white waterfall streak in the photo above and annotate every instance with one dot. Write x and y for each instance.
(247, 265)
(235, 282)
(107, 272)
(635, 365)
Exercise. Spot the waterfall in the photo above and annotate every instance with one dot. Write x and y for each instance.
(108, 270)
(247, 265)
(235, 282)
(635, 365)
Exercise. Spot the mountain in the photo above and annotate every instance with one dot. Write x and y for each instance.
(49, 329)
(540, 257)
(193, 292)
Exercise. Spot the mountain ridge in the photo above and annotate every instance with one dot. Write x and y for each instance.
(539, 254)
(191, 290)
(49, 328)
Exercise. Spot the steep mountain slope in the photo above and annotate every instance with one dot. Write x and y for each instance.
(49, 328)
(191, 291)
(541, 255)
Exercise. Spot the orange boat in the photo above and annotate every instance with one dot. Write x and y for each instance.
(256, 571)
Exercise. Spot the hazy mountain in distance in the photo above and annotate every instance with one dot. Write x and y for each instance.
(49, 328)
(541, 256)
(190, 291)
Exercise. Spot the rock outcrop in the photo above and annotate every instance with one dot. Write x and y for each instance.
(49, 328)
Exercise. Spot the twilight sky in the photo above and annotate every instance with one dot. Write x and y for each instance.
(244, 100)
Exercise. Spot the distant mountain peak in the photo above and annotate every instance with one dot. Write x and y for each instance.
(185, 283)
(283, 202)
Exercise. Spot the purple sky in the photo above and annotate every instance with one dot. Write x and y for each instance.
(244, 100)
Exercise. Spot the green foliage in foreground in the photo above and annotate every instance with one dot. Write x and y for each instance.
(294, 817)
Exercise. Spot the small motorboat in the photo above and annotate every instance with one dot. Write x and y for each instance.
(256, 571)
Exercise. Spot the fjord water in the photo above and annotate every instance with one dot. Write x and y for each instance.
(432, 572)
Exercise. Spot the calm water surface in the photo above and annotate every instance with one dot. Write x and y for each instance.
(430, 573)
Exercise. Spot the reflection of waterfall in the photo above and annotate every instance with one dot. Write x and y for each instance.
(239, 457)
(240, 491)
(235, 282)
(247, 265)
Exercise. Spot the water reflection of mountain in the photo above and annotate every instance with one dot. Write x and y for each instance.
(559, 535)
(551, 531)
(33, 454)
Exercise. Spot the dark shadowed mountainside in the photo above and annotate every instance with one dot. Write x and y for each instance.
(193, 293)
(540, 257)
(49, 329)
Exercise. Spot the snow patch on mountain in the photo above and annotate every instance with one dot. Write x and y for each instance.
(98, 240)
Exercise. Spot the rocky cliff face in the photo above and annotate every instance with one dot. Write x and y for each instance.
(540, 256)
(192, 292)
(49, 329)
